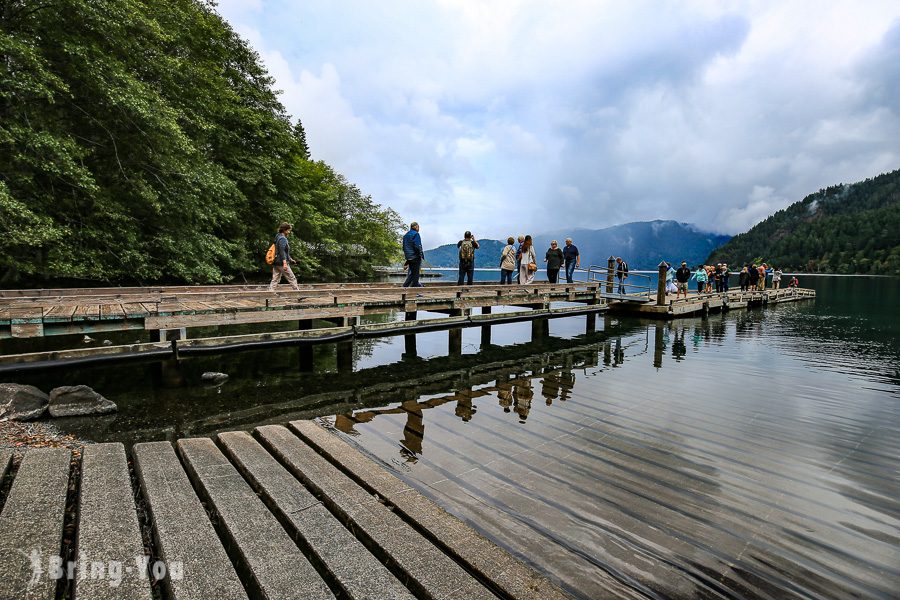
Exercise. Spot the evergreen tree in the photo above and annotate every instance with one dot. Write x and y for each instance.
(142, 140)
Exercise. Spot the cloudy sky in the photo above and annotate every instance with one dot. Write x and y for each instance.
(509, 116)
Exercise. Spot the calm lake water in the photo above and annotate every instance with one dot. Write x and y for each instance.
(754, 454)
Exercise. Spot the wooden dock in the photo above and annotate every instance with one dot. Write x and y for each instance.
(323, 313)
(317, 314)
(287, 512)
(698, 304)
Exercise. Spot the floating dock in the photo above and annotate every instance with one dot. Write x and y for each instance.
(287, 512)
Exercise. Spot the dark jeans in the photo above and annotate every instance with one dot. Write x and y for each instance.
(725, 283)
(552, 274)
(701, 285)
(718, 286)
(412, 278)
(505, 276)
(621, 284)
(466, 271)
(570, 270)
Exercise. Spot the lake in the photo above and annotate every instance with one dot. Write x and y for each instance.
(754, 454)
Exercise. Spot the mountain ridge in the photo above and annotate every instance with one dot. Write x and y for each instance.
(844, 228)
(643, 244)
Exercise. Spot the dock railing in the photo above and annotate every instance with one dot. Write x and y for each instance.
(635, 284)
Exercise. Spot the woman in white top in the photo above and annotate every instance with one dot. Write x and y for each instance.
(529, 260)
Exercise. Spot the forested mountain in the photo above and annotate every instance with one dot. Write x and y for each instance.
(642, 244)
(141, 140)
(851, 228)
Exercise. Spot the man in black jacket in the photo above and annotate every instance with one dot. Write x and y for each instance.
(682, 276)
(621, 273)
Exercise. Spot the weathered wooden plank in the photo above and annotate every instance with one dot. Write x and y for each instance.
(480, 554)
(233, 318)
(86, 312)
(108, 530)
(134, 310)
(112, 311)
(428, 571)
(355, 569)
(79, 353)
(59, 313)
(185, 538)
(273, 563)
(31, 525)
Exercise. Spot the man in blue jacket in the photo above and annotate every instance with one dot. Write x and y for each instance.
(412, 250)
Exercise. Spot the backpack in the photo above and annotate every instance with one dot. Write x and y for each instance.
(270, 255)
(466, 250)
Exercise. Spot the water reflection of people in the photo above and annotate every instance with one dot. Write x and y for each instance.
(550, 387)
(522, 395)
(504, 394)
(566, 384)
(679, 349)
(619, 353)
(464, 408)
(413, 431)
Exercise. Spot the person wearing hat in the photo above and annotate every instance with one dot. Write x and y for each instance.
(724, 278)
(682, 276)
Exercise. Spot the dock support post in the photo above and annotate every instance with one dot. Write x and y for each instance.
(661, 284)
(590, 325)
(306, 351)
(455, 341)
(610, 268)
(345, 357)
(659, 345)
(540, 330)
(485, 329)
(410, 339)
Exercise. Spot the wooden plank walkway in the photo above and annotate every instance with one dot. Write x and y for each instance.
(343, 307)
(288, 512)
(58, 312)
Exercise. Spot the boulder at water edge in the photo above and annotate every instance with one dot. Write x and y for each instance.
(22, 402)
(77, 400)
(212, 377)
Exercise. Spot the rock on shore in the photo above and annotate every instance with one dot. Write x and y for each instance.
(22, 402)
(77, 400)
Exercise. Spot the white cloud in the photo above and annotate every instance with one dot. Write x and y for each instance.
(531, 115)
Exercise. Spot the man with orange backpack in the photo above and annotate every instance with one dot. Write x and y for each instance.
(281, 258)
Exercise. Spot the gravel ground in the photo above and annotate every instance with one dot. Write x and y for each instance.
(20, 435)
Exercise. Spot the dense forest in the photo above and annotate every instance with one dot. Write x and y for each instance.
(142, 141)
(842, 229)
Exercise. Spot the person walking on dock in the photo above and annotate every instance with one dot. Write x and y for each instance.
(412, 250)
(467, 247)
(682, 276)
(528, 261)
(508, 262)
(700, 276)
(282, 265)
(723, 278)
(776, 278)
(573, 259)
(621, 273)
(554, 259)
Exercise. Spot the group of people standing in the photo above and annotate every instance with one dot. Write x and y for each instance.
(521, 259)
(708, 277)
